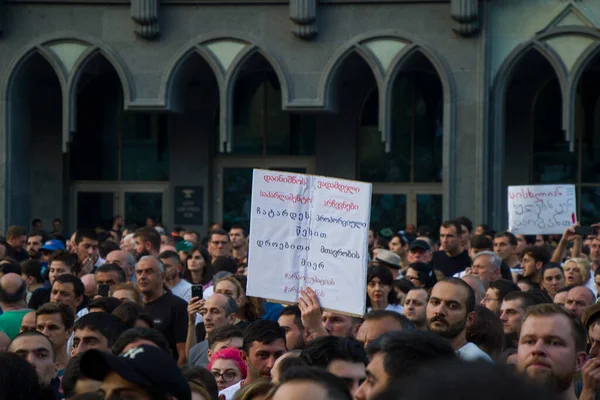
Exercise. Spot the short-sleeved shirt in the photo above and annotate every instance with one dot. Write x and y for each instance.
(450, 265)
(170, 316)
(183, 290)
(10, 322)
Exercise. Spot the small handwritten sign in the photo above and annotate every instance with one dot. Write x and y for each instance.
(541, 209)
(309, 231)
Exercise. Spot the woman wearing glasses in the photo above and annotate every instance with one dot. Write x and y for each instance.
(227, 367)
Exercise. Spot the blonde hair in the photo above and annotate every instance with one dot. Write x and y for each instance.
(584, 267)
(235, 282)
(128, 286)
(250, 391)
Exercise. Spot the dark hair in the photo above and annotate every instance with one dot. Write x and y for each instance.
(107, 304)
(224, 264)
(66, 313)
(18, 380)
(224, 333)
(112, 268)
(69, 259)
(131, 335)
(504, 287)
(566, 288)
(527, 299)
(486, 331)
(85, 233)
(34, 333)
(75, 281)
(453, 224)
(538, 253)
(149, 235)
(385, 277)
(263, 331)
(238, 226)
(466, 222)
(403, 284)
(10, 265)
(512, 239)
(527, 281)
(404, 352)
(291, 361)
(32, 268)
(167, 254)
(17, 296)
(553, 265)
(106, 324)
(334, 386)
(15, 231)
(207, 273)
(294, 311)
(470, 303)
(425, 273)
(482, 242)
(322, 351)
(542, 297)
(221, 232)
(378, 315)
(202, 377)
(128, 312)
(88, 396)
(71, 375)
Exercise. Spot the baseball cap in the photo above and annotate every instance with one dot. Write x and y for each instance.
(419, 244)
(146, 366)
(590, 314)
(389, 258)
(53, 245)
(184, 246)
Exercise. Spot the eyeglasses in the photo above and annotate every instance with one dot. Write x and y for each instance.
(227, 376)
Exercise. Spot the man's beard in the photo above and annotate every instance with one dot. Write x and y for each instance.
(558, 383)
(451, 331)
(138, 256)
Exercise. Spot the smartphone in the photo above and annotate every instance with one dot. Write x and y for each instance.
(197, 291)
(585, 231)
(103, 290)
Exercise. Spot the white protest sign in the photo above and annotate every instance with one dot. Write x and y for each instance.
(541, 209)
(309, 231)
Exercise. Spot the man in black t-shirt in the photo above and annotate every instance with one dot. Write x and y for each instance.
(453, 258)
(168, 311)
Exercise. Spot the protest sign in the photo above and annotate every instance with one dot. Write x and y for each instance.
(541, 209)
(309, 231)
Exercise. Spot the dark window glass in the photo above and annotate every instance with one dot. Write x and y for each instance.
(145, 151)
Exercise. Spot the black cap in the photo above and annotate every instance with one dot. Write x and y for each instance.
(146, 366)
(420, 244)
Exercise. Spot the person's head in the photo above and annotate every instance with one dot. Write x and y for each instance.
(173, 266)
(290, 319)
(551, 347)
(110, 274)
(231, 286)
(560, 297)
(199, 261)
(126, 292)
(144, 373)
(309, 382)
(230, 336)
(480, 243)
(238, 237)
(18, 380)
(56, 321)
(495, 294)
(147, 242)
(35, 241)
(96, 331)
(135, 337)
(505, 245)
(421, 275)
(219, 244)
(219, 311)
(227, 367)
(577, 271)
(379, 287)
(264, 343)
(450, 308)
(339, 324)
(291, 359)
(534, 259)
(202, 382)
(343, 357)
(86, 244)
(578, 298)
(28, 323)
(401, 287)
(104, 304)
(38, 350)
(191, 236)
(398, 355)
(62, 263)
(74, 382)
(13, 290)
(419, 251)
(16, 237)
(553, 278)
(486, 332)
(513, 310)
(415, 307)
(398, 244)
(69, 290)
(450, 233)
(150, 275)
(477, 285)
(31, 272)
(486, 266)
(377, 323)
(123, 259)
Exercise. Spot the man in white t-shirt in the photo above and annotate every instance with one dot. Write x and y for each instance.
(173, 268)
(450, 308)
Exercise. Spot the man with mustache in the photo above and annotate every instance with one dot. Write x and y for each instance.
(551, 349)
(450, 308)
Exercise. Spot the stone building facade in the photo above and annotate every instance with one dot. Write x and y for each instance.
(162, 108)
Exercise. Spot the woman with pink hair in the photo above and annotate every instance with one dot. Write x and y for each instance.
(227, 367)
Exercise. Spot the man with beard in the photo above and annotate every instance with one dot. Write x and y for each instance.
(534, 258)
(147, 242)
(450, 308)
(551, 349)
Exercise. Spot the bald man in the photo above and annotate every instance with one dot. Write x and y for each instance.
(123, 259)
(28, 322)
(13, 292)
(89, 283)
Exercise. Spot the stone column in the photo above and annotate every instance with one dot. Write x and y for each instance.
(304, 15)
(145, 15)
(466, 14)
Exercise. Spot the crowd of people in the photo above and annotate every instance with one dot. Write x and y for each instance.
(143, 313)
